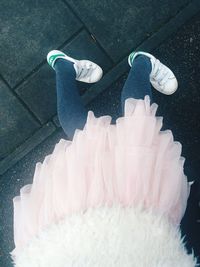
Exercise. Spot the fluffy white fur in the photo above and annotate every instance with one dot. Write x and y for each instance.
(108, 237)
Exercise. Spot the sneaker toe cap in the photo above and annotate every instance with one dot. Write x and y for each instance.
(171, 86)
(96, 74)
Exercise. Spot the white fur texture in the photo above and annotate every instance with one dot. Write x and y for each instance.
(108, 237)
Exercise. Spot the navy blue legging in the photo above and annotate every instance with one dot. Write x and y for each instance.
(72, 113)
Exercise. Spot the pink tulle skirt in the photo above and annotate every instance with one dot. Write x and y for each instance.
(131, 162)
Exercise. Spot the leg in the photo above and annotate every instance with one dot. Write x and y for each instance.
(137, 84)
(71, 112)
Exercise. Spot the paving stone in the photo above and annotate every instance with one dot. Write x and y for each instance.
(27, 146)
(16, 123)
(83, 46)
(39, 91)
(29, 29)
(120, 26)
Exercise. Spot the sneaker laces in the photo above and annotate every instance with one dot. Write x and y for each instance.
(84, 70)
(160, 74)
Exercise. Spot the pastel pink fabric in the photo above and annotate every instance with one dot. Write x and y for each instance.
(131, 162)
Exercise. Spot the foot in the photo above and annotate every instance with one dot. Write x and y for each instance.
(86, 70)
(161, 77)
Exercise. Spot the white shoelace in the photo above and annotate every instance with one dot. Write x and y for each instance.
(160, 73)
(84, 70)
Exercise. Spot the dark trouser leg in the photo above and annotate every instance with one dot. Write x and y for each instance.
(137, 84)
(71, 112)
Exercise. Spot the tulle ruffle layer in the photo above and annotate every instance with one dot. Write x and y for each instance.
(131, 162)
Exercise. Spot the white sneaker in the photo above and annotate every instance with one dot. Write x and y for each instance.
(86, 70)
(161, 77)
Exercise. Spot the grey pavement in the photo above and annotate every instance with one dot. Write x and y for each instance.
(106, 32)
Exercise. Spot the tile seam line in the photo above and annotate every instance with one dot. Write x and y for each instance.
(45, 125)
(88, 31)
(51, 120)
(185, 6)
(41, 64)
(29, 140)
(3, 79)
(180, 13)
(24, 105)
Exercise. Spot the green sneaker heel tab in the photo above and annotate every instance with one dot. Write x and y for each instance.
(53, 58)
(132, 56)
